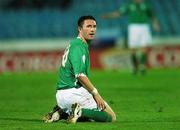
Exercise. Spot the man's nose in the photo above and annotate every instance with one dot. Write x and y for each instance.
(93, 29)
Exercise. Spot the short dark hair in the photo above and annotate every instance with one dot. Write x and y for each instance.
(83, 18)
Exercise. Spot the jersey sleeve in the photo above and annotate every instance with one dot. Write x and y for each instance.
(149, 10)
(76, 59)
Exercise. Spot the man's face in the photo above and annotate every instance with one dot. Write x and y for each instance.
(88, 29)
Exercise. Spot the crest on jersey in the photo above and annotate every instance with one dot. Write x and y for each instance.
(84, 58)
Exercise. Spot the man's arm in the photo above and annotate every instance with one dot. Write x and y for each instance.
(123, 10)
(154, 20)
(111, 15)
(90, 87)
(155, 24)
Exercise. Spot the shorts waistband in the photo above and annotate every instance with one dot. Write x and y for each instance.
(69, 88)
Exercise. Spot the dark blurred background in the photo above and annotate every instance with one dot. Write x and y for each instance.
(57, 18)
(28, 25)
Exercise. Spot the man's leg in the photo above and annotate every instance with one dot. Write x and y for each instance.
(83, 105)
(134, 61)
(143, 60)
(110, 112)
(106, 115)
(54, 115)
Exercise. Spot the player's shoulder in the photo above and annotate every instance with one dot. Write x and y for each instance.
(76, 42)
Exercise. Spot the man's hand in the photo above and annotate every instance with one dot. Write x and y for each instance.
(100, 102)
(111, 15)
(90, 87)
(156, 25)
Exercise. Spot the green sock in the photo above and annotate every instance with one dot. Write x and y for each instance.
(143, 61)
(96, 115)
(143, 58)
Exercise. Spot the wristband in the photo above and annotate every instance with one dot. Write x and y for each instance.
(94, 91)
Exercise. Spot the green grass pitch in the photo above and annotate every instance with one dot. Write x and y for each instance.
(150, 102)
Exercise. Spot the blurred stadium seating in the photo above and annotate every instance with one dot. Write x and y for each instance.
(35, 33)
(54, 22)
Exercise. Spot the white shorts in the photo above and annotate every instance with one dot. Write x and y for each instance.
(65, 98)
(139, 35)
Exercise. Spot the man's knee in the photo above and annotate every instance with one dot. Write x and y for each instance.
(113, 116)
(111, 113)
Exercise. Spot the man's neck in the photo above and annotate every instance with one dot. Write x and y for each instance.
(82, 38)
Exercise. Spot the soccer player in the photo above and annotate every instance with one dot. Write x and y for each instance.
(76, 94)
(139, 34)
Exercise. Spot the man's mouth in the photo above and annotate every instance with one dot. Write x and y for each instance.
(92, 34)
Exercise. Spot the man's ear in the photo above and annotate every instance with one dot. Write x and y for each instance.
(79, 29)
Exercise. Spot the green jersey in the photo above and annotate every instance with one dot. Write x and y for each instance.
(137, 13)
(75, 62)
